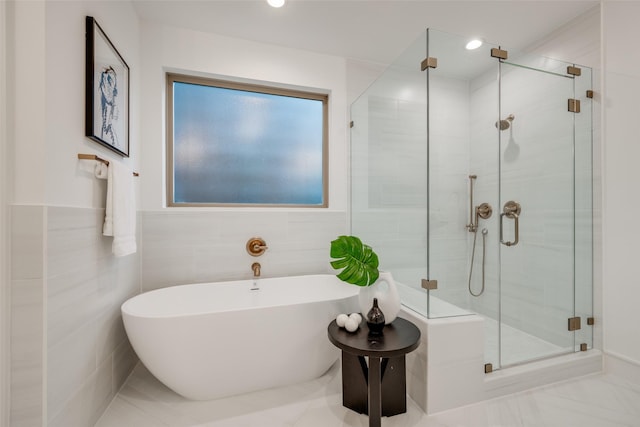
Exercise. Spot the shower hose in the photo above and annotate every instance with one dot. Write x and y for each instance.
(473, 253)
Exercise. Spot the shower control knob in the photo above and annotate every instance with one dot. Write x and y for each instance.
(484, 211)
(256, 246)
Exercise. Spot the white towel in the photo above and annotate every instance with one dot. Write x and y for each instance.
(120, 212)
(101, 171)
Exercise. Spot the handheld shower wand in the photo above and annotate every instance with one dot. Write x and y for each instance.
(483, 211)
(473, 253)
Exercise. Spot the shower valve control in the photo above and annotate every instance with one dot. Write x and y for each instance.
(484, 211)
(256, 246)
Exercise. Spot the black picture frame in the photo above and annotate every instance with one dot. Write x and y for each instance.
(107, 91)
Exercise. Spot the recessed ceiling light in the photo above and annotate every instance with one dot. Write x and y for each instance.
(474, 44)
(276, 3)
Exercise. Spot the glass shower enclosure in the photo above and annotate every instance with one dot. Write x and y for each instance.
(471, 176)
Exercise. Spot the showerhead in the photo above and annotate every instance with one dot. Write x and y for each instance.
(505, 123)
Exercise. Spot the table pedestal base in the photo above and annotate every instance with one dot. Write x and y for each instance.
(379, 388)
(389, 386)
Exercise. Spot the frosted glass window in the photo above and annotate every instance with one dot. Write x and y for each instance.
(238, 144)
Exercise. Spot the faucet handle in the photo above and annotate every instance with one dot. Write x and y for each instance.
(256, 246)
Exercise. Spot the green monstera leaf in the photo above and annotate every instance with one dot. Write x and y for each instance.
(359, 263)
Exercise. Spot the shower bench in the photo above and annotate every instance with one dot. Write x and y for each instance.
(379, 389)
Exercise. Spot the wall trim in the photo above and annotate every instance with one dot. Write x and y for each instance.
(622, 366)
(4, 227)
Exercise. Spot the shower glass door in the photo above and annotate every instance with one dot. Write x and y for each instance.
(535, 213)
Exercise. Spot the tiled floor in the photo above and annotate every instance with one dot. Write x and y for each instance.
(593, 401)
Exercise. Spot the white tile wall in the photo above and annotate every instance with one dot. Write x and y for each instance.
(446, 370)
(27, 346)
(88, 354)
(388, 197)
(28, 307)
(180, 247)
(70, 354)
(390, 185)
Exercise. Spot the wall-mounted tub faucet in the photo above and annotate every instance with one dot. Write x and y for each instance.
(256, 269)
(256, 276)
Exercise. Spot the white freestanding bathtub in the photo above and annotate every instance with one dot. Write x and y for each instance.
(206, 341)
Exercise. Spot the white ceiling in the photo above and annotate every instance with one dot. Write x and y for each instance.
(365, 29)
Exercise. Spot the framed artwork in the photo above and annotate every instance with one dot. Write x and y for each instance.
(107, 91)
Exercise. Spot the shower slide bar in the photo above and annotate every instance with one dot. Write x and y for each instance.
(471, 226)
(483, 210)
(98, 159)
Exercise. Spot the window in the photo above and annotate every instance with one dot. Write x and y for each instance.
(236, 144)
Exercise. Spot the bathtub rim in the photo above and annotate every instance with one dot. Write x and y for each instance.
(348, 291)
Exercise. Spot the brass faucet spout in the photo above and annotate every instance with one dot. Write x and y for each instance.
(256, 269)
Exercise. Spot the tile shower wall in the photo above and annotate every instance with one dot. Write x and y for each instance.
(390, 184)
(69, 348)
(180, 247)
(449, 168)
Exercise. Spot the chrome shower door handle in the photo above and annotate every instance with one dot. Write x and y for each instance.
(511, 210)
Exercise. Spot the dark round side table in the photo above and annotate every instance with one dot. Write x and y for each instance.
(380, 388)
